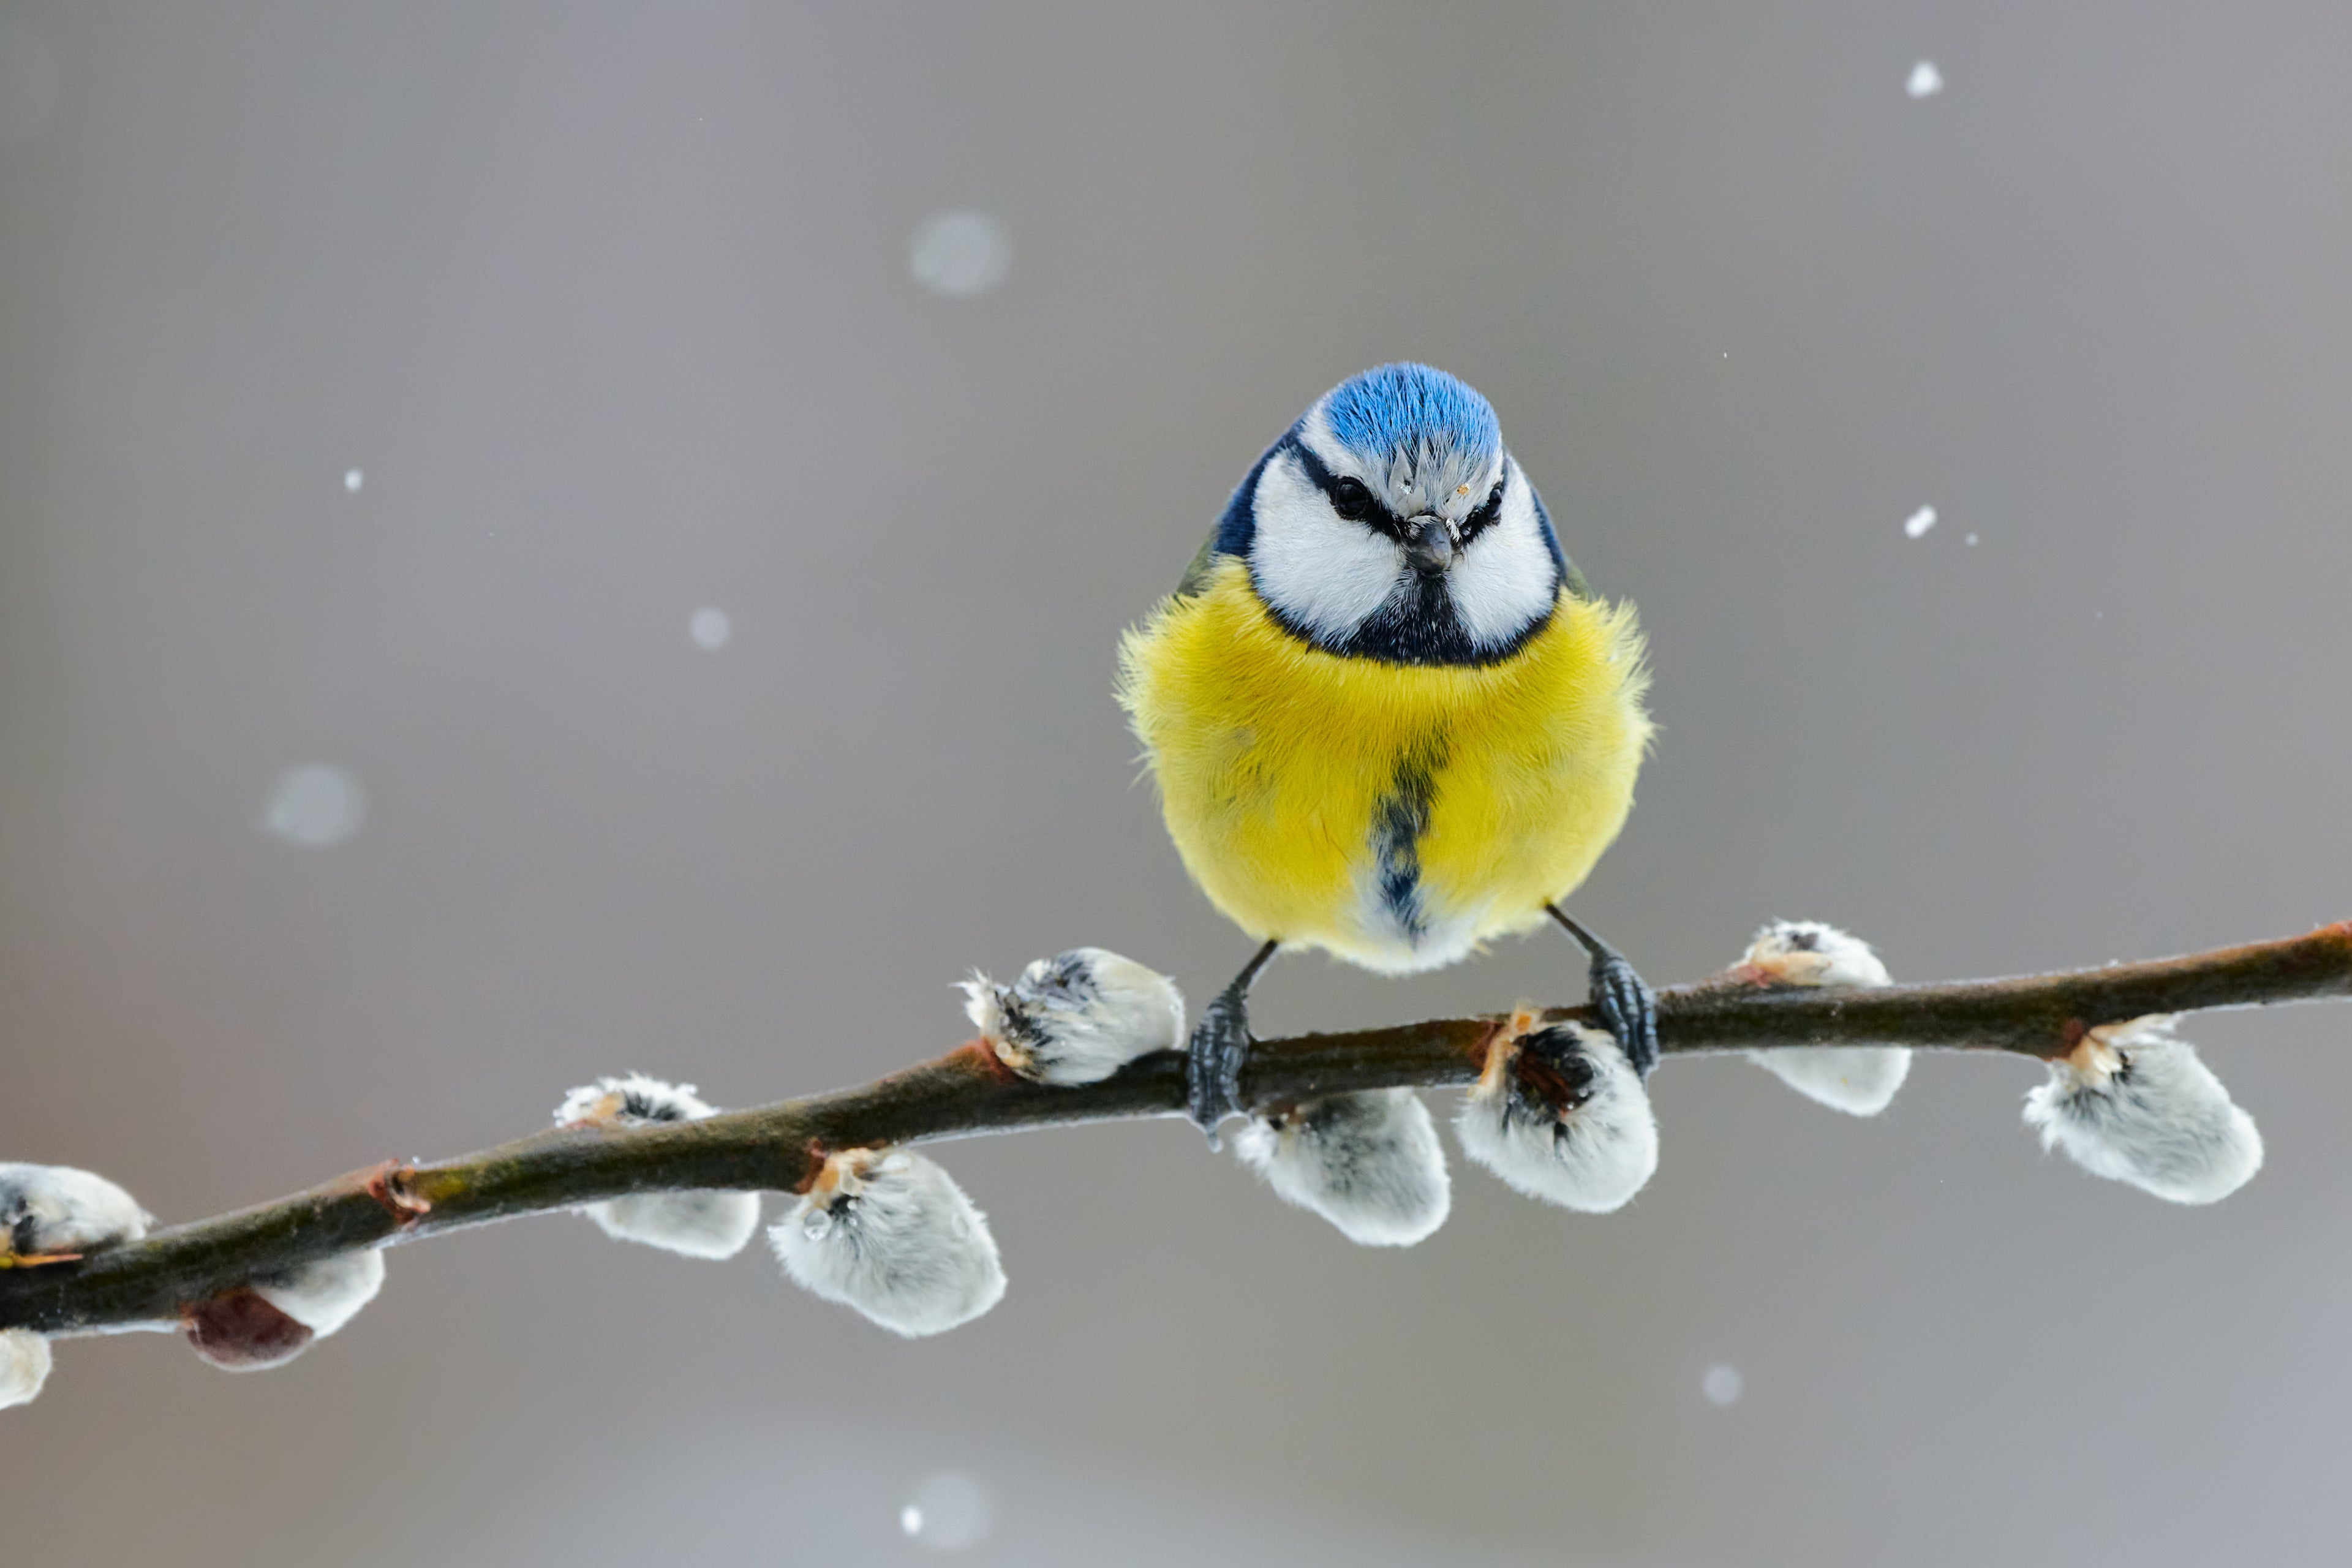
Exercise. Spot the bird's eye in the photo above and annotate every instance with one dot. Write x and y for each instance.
(1351, 500)
(1479, 521)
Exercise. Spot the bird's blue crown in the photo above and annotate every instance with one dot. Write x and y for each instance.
(1387, 523)
(1392, 408)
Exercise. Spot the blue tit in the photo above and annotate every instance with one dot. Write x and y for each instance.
(1387, 717)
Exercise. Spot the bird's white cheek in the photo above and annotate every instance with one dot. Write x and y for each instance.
(1505, 580)
(1320, 570)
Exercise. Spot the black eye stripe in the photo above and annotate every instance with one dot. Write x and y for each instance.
(1378, 517)
(1478, 521)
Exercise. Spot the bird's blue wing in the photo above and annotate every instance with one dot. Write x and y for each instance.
(1235, 527)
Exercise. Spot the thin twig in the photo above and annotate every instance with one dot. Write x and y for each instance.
(148, 1284)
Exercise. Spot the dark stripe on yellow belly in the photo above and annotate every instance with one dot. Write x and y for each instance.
(1399, 821)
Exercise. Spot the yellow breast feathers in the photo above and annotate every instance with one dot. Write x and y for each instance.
(1392, 814)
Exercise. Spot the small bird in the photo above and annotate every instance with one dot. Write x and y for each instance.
(1387, 717)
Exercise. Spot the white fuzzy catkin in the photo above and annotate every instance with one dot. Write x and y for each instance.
(1076, 1017)
(23, 1366)
(890, 1234)
(324, 1296)
(1592, 1151)
(1371, 1163)
(56, 1208)
(1860, 1080)
(715, 1225)
(2134, 1104)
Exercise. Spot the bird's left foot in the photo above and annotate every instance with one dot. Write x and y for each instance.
(1621, 999)
(1214, 1060)
(1218, 1050)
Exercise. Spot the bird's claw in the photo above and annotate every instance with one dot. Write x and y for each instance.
(1213, 1062)
(1627, 1008)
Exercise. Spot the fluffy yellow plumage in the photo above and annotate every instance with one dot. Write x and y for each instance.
(1304, 788)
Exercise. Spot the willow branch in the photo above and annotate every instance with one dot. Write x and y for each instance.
(777, 1147)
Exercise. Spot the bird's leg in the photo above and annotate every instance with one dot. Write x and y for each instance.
(1219, 1045)
(1622, 999)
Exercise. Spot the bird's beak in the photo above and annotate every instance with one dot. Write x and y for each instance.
(1428, 544)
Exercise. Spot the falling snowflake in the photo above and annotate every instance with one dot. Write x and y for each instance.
(1916, 525)
(961, 253)
(315, 806)
(950, 1511)
(1924, 81)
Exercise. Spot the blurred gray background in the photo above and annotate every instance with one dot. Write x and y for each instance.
(392, 390)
